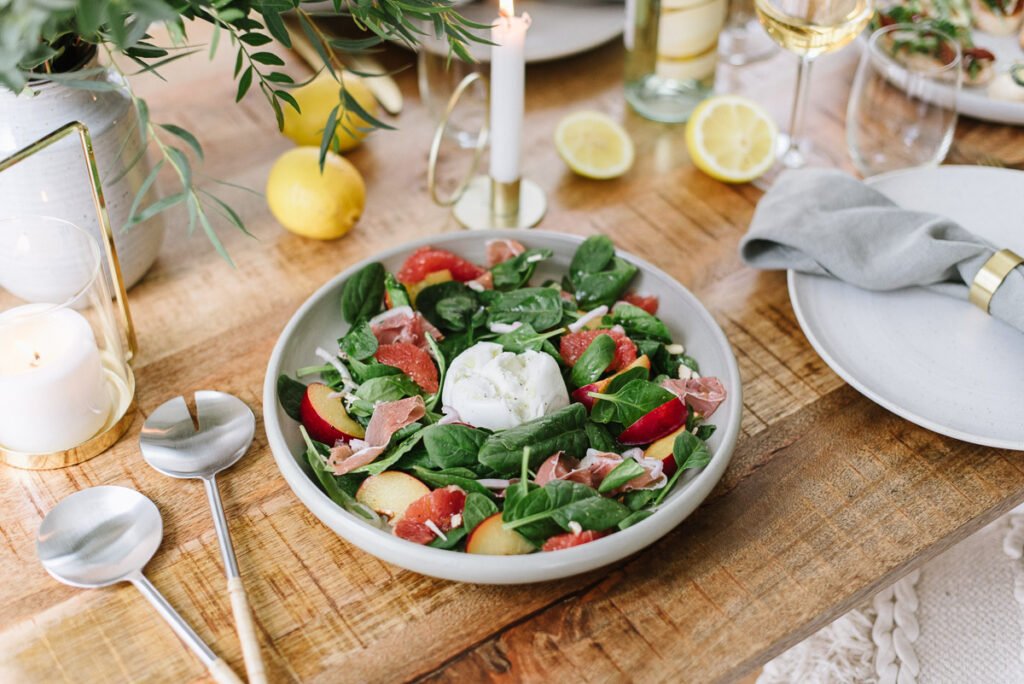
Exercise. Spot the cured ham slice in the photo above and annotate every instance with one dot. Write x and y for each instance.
(403, 325)
(388, 418)
(499, 251)
(597, 465)
(703, 395)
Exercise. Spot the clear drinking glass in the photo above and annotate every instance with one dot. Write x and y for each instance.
(809, 28)
(438, 76)
(902, 110)
(671, 55)
(744, 41)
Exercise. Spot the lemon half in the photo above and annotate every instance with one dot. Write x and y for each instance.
(731, 139)
(593, 145)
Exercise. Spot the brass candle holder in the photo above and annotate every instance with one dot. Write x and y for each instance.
(480, 202)
(70, 290)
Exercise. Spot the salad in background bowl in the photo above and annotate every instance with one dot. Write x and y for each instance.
(526, 395)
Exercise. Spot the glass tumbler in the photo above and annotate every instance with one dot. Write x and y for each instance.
(902, 111)
(438, 76)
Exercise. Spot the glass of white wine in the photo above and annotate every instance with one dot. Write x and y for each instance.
(809, 28)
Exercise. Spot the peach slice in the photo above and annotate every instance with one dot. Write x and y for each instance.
(490, 538)
(662, 450)
(325, 417)
(656, 423)
(430, 279)
(582, 395)
(390, 492)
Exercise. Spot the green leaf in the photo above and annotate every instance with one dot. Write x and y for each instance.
(689, 452)
(631, 403)
(442, 370)
(594, 361)
(290, 393)
(143, 189)
(451, 445)
(640, 324)
(328, 135)
(387, 388)
(243, 84)
(524, 338)
(541, 307)
(352, 105)
(704, 432)
(314, 40)
(604, 412)
(363, 293)
(331, 485)
(184, 135)
(478, 508)
(155, 208)
(287, 97)
(428, 300)
(359, 342)
(460, 477)
(628, 470)
(517, 271)
(268, 58)
(558, 431)
(212, 236)
(255, 39)
(355, 44)
(604, 287)
(275, 25)
(633, 518)
(600, 438)
(592, 256)
(395, 454)
(548, 510)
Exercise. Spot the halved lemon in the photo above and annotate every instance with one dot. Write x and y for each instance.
(593, 145)
(731, 139)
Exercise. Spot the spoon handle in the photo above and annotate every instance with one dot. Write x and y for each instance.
(220, 670)
(245, 626)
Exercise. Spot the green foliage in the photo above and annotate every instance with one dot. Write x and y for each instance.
(52, 40)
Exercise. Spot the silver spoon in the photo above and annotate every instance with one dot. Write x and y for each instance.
(171, 444)
(104, 535)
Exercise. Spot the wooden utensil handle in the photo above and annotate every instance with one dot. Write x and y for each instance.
(246, 631)
(222, 672)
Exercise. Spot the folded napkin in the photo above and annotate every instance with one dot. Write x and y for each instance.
(826, 222)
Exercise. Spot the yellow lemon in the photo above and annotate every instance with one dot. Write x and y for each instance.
(316, 100)
(593, 145)
(322, 206)
(731, 139)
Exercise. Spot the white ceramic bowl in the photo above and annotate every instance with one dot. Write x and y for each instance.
(318, 323)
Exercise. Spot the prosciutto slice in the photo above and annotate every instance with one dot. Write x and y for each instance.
(388, 418)
(503, 250)
(596, 466)
(402, 324)
(703, 395)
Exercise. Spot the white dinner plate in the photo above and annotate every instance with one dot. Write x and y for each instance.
(318, 323)
(937, 361)
(559, 29)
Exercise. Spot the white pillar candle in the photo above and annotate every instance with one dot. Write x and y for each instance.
(52, 390)
(508, 77)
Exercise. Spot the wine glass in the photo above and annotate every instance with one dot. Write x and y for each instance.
(742, 41)
(809, 28)
(902, 110)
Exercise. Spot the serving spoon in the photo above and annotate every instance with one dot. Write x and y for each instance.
(104, 535)
(172, 444)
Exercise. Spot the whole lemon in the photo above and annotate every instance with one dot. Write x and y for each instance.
(322, 206)
(316, 100)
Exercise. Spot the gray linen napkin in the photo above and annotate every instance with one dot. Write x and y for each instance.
(825, 222)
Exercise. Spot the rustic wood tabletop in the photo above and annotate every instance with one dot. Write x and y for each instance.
(828, 497)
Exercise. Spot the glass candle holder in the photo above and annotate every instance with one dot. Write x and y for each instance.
(66, 383)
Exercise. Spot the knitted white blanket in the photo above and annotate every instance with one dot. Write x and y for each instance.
(958, 619)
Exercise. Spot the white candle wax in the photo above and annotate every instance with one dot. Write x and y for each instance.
(52, 391)
(508, 77)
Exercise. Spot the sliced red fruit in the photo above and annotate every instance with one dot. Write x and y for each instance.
(325, 418)
(571, 539)
(656, 423)
(411, 360)
(574, 344)
(662, 450)
(438, 507)
(648, 303)
(426, 260)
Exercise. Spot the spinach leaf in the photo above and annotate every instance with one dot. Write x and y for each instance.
(461, 477)
(631, 403)
(459, 312)
(558, 431)
(633, 518)
(290, 393)
(639, 323)
(362, 372)
(689, 453)
(387, 388)
(704, 432)
(640, 499)
(359, 342)
(620, 475)
(331, 483)
(594, 361)
(450, 540)
(430, 297)
(404, 443)
(478, 508)
(395, 292)
(516, 272)
(453, 445)
(517, 493)
(604, 287)
(442, 371)
(600, 438)
(454, 344)
(550, 509)
(363, 293)
(592, 256)
(524, 338)
(541, 307)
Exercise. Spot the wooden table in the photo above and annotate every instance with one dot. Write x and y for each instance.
(828, 497)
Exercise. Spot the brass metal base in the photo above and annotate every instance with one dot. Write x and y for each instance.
(120, 419)
(475, 209)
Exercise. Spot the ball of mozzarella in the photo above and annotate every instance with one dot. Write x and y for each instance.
(492, 388)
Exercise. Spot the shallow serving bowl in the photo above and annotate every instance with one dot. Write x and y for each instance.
(318, 323)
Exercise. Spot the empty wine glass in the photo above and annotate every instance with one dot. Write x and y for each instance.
(902, 110)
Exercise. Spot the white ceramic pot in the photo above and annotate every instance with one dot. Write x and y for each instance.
(53, 182)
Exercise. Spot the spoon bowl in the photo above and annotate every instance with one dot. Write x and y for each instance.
(99, 536)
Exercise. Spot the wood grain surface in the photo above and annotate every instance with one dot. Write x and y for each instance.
(828, 497)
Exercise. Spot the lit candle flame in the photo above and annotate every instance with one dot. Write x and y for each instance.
(505, 8)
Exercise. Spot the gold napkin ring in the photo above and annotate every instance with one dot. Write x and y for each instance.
(991, 276)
